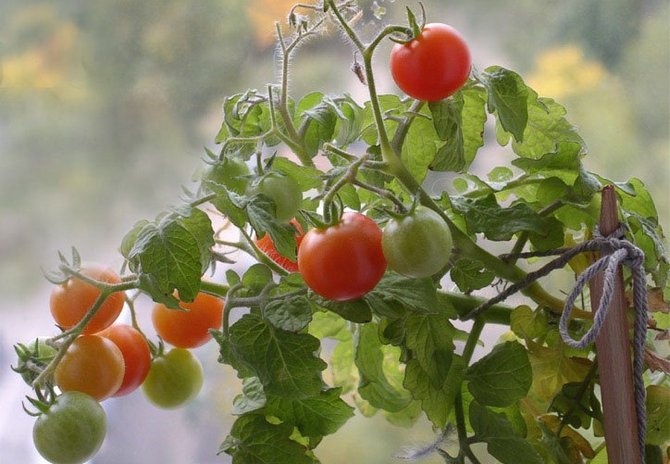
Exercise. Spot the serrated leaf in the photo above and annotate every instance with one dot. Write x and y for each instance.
(251, 399)
(292, 314)
(658, 419)
(261, 217)
(355, 311)
(552, 368)
(436, 400)
(470, 275)
(326, 324)
(315, 416)
(395, 291)
(501, 377)
(502, 442)
(508, 98)
(390, 104)
(175, 252)
(257, 277)
(285, 362)
(130, 238)
(374, 386)
(528, 324)
(563, 162)
(307, 177)
(447, 121)
(253, 440)
(430, 339)
(420, 147)
(485, 215)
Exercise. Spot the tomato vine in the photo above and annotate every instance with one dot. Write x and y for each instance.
(529, 399)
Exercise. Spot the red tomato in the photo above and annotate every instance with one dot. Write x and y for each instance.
(136, 355)
(92, 365)
(433, 65)
(190, 328)
(345, 261)
(266, 246)
(70, 301)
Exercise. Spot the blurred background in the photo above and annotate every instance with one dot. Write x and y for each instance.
(105, 108)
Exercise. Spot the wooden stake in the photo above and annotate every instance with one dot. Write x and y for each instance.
(614, 356)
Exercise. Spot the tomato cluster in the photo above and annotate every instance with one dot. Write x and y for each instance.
(108, 359)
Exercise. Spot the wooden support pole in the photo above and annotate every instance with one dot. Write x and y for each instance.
(614, 357)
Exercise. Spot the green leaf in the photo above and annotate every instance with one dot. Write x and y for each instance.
(257, 277)
(374, 386)
(315, 416)
(251, 399)
(292, 314)
(175, 252)
(285, 362)
(552, 368)
(253, 440)
(501, 377)
(430, 338)
(528, 324)
(563, 162)
(307, 177)
(485, 215)
(130, 238)
(498, 433)
(390, 104)
(261, 217)
(470, 275)
(420, 147)
(447, 120)
(355, 311)
(396, 293)
(326, 324)
(508, 98)
(436, 400)
(343, 367)
(228, 203)
(658, 419)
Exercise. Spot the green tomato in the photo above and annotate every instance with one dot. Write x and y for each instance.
(417, 245)
(37, 353)
(72, 430)
(231, 173)
(174, 379)
(283, 191)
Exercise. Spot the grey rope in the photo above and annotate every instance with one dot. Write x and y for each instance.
(622, 252)
(629, 255)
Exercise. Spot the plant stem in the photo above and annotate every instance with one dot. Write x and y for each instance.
(403, 127)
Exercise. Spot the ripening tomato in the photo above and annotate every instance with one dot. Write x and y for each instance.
(72, 430)
(92, 365)
(174, 379)
(345, 261)
(266, 246)
(71, 301)
(189, 328)
(432, 66)
(417, 245)
(136, 355)
(283, 191)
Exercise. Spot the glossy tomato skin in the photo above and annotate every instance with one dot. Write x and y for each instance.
(189, 328)
(70, 301)
(266, 246)
(72, 430)
(174, 379)
(283, 191)
(432, 66)
(93, 365)
(136, 355)
(345, 261)
(417, 245)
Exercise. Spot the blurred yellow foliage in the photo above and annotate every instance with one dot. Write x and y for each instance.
(263, 14)
(564, 71)
(48, 61)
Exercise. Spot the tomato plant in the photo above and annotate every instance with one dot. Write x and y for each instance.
(92, 365)
(433, 65)
(71, 430)
(344, 261)
(33, 357)
(284, 192)
(189, 327)
(71, 300)
(174, 379)
(267, 247)
(136, 355)
(393, 331)
(417, 245)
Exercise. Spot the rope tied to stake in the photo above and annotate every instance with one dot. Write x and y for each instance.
(619, 251)
(623, 253)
